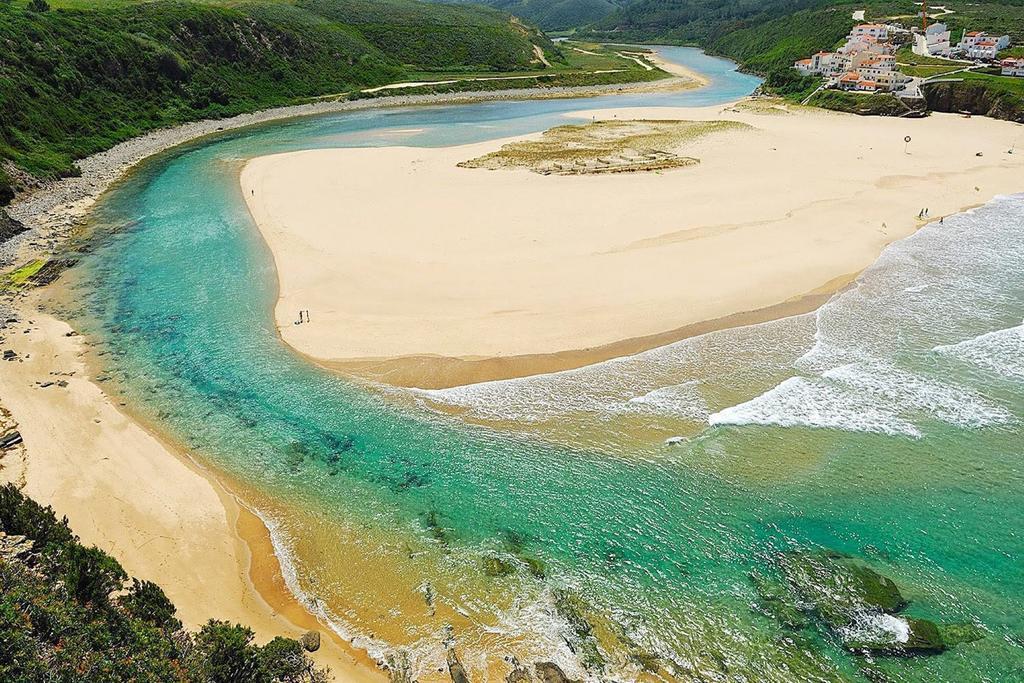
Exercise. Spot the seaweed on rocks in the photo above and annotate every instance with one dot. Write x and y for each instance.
(581, 639)
(852, 602)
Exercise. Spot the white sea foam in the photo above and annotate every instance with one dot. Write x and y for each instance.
(868, 368)
(1000, 352)
(680, 400)
(862, 397)
(804, 402)
(878, 628)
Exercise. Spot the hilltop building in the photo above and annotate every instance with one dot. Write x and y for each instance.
(865, 63)
(981, 46)
(933, 41)
(1012, 67)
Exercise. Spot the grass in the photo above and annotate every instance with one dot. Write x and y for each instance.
(604, 147)
(567, 62)
(906, 56)
(929, 70)
(17, 279)
(1008, 85)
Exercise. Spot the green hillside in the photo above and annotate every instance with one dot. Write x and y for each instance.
(83, 75)
(556, 15)
(71, 613)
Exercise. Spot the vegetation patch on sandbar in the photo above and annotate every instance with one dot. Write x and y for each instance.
(606, 147)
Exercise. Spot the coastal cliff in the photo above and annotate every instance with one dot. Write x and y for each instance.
(974, 98)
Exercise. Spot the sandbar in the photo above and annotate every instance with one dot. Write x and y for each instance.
(418, 272)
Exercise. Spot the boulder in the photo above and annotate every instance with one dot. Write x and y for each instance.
(549, 672)
(518, 675)
(455, 668)
(310, 641)
(9, 227)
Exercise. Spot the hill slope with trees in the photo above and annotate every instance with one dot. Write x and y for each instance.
(78, 78)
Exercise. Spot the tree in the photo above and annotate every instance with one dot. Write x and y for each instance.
(230, 657)
(147, 601)
(39, 6)
(91, 575)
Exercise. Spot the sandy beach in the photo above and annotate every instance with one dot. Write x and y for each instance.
(128, 492)
(417, 272)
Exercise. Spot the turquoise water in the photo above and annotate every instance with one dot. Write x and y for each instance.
(885, 426)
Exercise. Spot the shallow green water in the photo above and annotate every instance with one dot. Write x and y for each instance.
(863, 429)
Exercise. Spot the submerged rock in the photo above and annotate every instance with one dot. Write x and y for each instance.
(495, 567)
(855, 603)
(958, 634)
(838, 588)
(899, 636)
(518, 675)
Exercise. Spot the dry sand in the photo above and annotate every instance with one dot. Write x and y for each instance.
(470, 274)
(127, 492)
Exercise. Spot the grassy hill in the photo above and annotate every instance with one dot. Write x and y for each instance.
(82, 75)
(556, 15)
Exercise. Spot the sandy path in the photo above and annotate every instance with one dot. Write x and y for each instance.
(125, 491)
(398, 253)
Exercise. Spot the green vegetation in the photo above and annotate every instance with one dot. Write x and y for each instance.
(19, 277)
(85, 75)
(68, 613)
(616, 146)
(859, 103)
(978, 93)
(557, 15)
(573, 64)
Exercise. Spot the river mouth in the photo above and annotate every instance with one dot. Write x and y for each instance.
(548, 520)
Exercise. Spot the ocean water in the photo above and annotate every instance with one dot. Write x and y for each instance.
(607, 518)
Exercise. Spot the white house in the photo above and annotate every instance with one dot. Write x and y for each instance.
(1013, 67)
(823, 64)
(876, 31)
(934, 41)
(971, 39)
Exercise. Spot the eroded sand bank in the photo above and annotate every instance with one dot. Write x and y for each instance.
(471, 274)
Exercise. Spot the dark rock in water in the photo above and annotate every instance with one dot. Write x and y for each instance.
(455, 668)
(310, 641)
(777, 602)
(923, 639)
(518, 675)
(10, 355)
(495, 567)
(549, 672)
(839, 588)
(852, 601)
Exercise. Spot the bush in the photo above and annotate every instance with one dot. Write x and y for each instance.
(58, 623)
(90, 574)
(146, 601)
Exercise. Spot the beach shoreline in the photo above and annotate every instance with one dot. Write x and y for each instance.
(55, 213)
(542, 302)
(125, 486)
